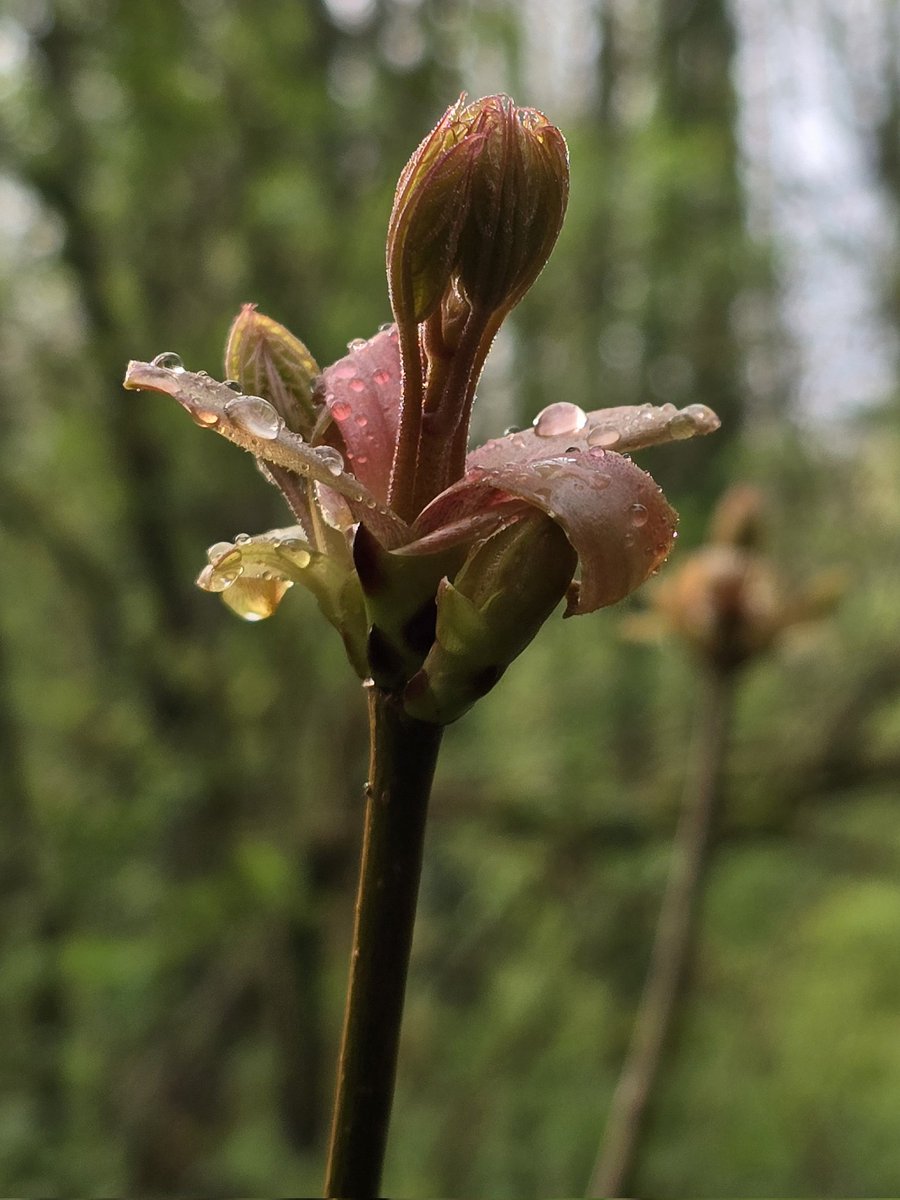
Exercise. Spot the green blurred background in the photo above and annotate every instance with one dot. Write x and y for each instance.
(181, 793)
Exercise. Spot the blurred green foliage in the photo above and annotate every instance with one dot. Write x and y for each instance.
(181, 793)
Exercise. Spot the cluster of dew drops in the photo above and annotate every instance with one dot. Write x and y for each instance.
(347, 372)
(564, 417)
(226, 562)
(252, 414)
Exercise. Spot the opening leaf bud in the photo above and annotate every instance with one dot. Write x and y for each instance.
(507, 588)
(266, 360)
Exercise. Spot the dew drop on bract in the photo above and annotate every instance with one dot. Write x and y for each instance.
(168, 359)
(385, 326)
(234, 385)
(512, 429)
(600, 482)
(218, 549)
(381, 377)
(341, 410)
(362, 459)
(356, 344)
(558, 418)
(362, 420)
(357, 385)
(639, 514)
(604, 436)
(331, 459)
(242, 539)
(255, 416)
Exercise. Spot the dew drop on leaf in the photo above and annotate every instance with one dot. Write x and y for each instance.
(558, 418)
(168, 359)
(204, 417)
(604, 436)
(225, 572)
(218, 549)
(331, 459)
(255, 416)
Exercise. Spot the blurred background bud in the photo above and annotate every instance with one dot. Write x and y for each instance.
(728, 599)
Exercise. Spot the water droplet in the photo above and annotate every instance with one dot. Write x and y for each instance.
(341, 410)
(204, 417)
(604, 436)
(628, 539)
(512, 429)
(381, 377)
(356, 344)
(561, 417)
(682, 426)
(361, 419)
(600, 482)
(242, 539)
(362, 459)
(297, 550)
(255, 416)
(217, 549)
(225, 572)
(234, 385)
(385, 326)
(545, 470)
(331, 459)
(168, 359)
(357, 385)
(639, 514)
(519, 442)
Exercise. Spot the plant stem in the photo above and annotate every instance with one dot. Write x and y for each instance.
(673, 945)
(403, 754)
